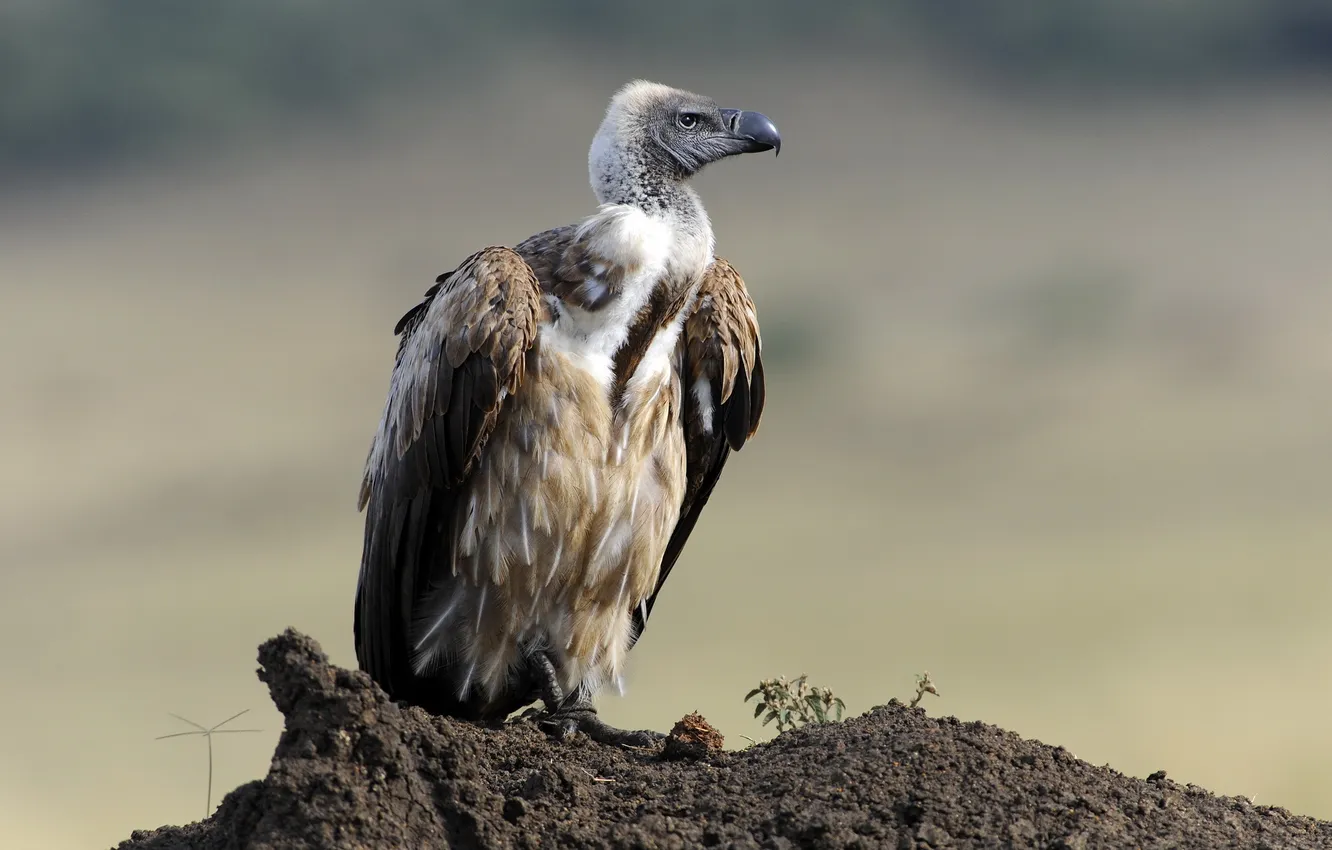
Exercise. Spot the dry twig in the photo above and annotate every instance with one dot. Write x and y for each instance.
(207, 732)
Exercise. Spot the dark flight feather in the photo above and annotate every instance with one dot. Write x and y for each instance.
(463, 351)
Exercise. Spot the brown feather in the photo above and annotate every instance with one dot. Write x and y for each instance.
(461, 354)
(660, 311)
(720, 344)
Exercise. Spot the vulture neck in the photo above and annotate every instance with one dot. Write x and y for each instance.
(652, 225)
(635, 178)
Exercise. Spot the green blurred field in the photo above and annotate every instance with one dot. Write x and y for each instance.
(1050, 415)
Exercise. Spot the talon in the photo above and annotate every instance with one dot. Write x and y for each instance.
(565, 716)
(559, 728)
(580, 718)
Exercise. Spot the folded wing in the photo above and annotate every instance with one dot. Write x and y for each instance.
(722, 379)
(463, 352)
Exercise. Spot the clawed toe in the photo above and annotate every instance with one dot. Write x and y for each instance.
(561, 724)
(640, 738)
(557, 726)
(565, 715)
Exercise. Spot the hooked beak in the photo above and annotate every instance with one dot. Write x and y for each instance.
(753, 131)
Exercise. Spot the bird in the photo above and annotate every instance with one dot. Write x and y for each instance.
(557, 417)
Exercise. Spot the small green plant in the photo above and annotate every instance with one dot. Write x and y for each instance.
(795, 703)
(207, 732)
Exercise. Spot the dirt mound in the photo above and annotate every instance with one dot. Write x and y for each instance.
(353, 769)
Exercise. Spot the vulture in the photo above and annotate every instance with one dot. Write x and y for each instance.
(558, 414)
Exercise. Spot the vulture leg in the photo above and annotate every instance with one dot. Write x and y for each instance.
(576, 713)
(548, 682)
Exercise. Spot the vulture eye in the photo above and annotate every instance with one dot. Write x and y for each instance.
(687, 120)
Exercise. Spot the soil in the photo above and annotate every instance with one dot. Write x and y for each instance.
(354, 770)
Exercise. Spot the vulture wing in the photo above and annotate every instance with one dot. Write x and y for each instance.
(463, 352)
(722, 381)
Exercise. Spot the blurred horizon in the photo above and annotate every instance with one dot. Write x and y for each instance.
(1044, 297)
(96, 85)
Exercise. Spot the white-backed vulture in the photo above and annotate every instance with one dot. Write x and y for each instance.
(557, 417)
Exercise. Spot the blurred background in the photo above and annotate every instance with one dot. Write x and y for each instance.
(1045, 290)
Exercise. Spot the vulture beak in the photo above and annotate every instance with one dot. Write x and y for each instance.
(753, 130)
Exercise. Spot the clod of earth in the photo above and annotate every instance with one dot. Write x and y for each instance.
(354, 770)
(693, 737)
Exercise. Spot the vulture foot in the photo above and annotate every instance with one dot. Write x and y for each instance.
(575, 713)
(565, 721)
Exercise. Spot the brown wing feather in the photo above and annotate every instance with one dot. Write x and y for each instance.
(720, 344)
(463, 352)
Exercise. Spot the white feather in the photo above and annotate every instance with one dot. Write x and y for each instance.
(525, 531)
(703, 397)
(467, 680)
(627, 238)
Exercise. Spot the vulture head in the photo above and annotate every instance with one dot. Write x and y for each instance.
(655, 133)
